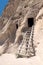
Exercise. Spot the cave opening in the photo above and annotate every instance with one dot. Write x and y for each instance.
(16, 26)
(30, 22)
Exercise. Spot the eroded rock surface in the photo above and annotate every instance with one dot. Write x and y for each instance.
(14, 23)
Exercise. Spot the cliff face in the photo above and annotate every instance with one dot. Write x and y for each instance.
(14, 23)
(11, 8)
(13, 5)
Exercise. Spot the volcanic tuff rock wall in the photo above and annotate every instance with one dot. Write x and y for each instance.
(11, 8)
(16, 12)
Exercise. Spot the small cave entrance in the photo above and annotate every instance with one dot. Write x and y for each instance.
(16, 26)
(30, 22)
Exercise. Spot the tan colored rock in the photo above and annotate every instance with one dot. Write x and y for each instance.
(15, 22)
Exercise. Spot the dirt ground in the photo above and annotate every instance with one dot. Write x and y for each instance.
(10, 59)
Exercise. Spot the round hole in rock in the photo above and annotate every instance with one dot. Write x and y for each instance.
(20, 13)
(25, 6)
(30, 22)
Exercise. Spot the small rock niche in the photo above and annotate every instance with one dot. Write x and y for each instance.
(16, 26)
